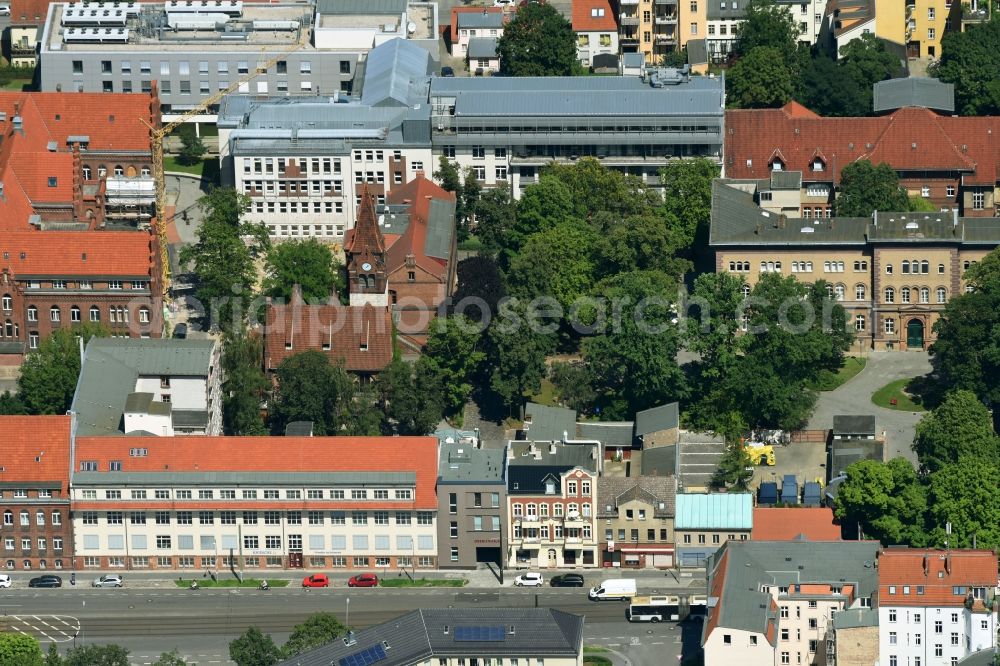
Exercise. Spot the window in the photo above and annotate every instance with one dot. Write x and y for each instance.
(163, 541)
(785, 658)
(931, 33)
(904, 295)
(888, 269)
(890, 295)
(978, 200)
(892, 613)
(859, 323)
(925, 295)
(889, 325)
(938, 627)
(95, 313)
(925, 191)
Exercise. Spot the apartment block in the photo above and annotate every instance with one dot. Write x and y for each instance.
(935, 607)
(636, 516)
(926, 21)
(596, 31)
(255, 502)
(472, 504)
(724, 18)
(37, 531)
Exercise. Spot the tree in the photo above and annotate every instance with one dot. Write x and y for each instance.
(11, 404)
(735, 468)
(633, 359)
(830, 90)
(574, 383)
(966, 353)
(958, 427)
(307, 263)
(192, 148)
(317, 630)
(310, 389)
(496, 215)
(538, 41)
(558, 262)
(254, 648)
(20, 650)
(222, 261)
(687, 200)
(965, 494)
(865, 188)
(49, 375)
(760, 80)
(769, 25)
(885, 500)
(640, 242)
(172, 658)
(471, 191)
(411, 396)
(867, 62)
(52, 657)
(449, 176)
(97, 655)
(970, 59)
(516, 347)
(244, 385)
(479, 280)
(594, 188)
(453, 349)
(676, 58)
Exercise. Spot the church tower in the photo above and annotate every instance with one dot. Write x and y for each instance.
(365, 251)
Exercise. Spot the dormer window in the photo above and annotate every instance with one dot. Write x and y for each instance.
(818, 164)
(777, 165)
(550, 487)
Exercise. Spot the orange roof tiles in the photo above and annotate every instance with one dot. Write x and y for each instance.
(938, 572)
(272, 454)
(358, 336)
(70, 253)
(419, 192)
(593, 15)
(907, 139)
(787, 524)
(35, 449)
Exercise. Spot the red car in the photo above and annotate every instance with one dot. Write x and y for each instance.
(316, 580)
(363, 580)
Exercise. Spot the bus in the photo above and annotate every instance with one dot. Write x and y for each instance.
(654, 609)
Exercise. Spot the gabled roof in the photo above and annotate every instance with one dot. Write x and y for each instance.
(35, 451)
(482, 19)
(854, 424)
(360, 337)
(655, 419)
(396, 74)
(458, 11)
(593, 16)
(919, 91)
(429, 235)
(794, 523)
(120, 254)
(938, 572)
(548, 424)
(614, 490)
(715, 511)
(207, 454)
(482, 47)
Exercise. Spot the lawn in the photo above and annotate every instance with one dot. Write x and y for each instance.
(828, 381)
(207, 169)
(422, 582)
(17, 85)
(896, 391)
(596, 660)
(229, 582)
(546, 394)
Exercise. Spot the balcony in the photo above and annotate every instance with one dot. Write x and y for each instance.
(628, 2)
(528, 521)
(629, 40)
(573, 539)
(665, 39)
(666, 19)
(665, 3)
(628, 19)
(574, 521)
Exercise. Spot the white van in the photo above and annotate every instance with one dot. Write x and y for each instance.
(613, 588)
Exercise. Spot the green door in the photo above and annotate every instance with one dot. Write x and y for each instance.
(915, 334)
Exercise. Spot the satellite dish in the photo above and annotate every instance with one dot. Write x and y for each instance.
(411, 28)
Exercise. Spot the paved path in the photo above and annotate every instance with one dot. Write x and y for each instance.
(854, 397)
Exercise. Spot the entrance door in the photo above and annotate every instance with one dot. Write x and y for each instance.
(552, 558)
(915, 334)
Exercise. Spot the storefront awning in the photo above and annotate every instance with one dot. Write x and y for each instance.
(646, 549)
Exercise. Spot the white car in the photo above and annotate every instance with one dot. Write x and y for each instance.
(110, 580)
(5, 580)
(529, 579)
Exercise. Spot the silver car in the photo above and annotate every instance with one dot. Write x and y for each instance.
(110, 580)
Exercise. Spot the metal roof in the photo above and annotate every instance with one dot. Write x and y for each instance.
(914, 91)
(144, 403)
(548, 424)
(363, 7)
(608, 433)
(714, 511)
(464, 463)
(159, 356)
(440, 228)
(656, 419)
(854, 424)
(419, 635)
(396, 73)
(846, 452)
(249, 479)
(482, 19)
(482, 47)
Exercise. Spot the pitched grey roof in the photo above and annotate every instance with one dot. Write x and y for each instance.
(189, 418)
(396, 74)
(462, 463)
(363, 7)
(746, 565)
(614, 490)
(299, 429)
(698, 457)
(482, 47)
(661, 461)
(656, 419)
(914, 91)
(856, 617)
(159, 356)
(786, 180)
(424, 634)
(440, 228)
(608, 433)
(697, 50)
(632, 60)
(854, 424)
(144, 403)
(548, 424)
(846, 452)
(480, 20)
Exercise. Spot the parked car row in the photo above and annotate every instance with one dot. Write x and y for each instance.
(322, 580)
(51, 580)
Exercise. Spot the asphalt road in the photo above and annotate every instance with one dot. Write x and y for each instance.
(201, 623)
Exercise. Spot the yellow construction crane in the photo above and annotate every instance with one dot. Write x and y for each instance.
(158, 134)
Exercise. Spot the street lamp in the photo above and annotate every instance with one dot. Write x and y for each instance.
(347, 620)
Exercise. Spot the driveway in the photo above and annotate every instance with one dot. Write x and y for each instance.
(854, 397)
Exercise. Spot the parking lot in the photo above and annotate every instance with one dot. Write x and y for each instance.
(805, 460)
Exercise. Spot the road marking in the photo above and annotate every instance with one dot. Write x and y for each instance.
(32, 625)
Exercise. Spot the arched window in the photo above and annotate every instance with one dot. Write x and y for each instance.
(39, 518)
(557, 510)
(732, 266)
(95, 313)
(860, 292)
(25, 520)
(904, 295)
(925, 267)
(54, 313)
(102, 171)
(144, 171)
(888, 269)
(74, 313)
(777, 266)
(119, 171)
(940, 269)
(925, 295)
(890, 295)
(8, 329)
(586, 510)
(906, 267)
(859, 323)
(746, 291)
(32, 313)
(829, 290)
(839, 291)
(942, 294)
(8, 517)
(517, 509)
(809, 266)
(532, 510)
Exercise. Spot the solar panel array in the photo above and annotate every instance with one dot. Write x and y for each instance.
(371, 655)
(479, 634)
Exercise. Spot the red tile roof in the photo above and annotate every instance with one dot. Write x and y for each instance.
(419, 192)
(937, 571)
(343, 328)
(908, 139)
(787, 524)
(115, 253)
(35, 449)
(593, 15)
(272, 454)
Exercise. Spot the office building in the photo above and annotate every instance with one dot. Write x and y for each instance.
(472, 504)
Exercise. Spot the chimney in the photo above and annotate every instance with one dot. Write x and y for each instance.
(780, 222)
(927, 566)
(552, 449)
(947, 564)
(758, 229)
(78, 206)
